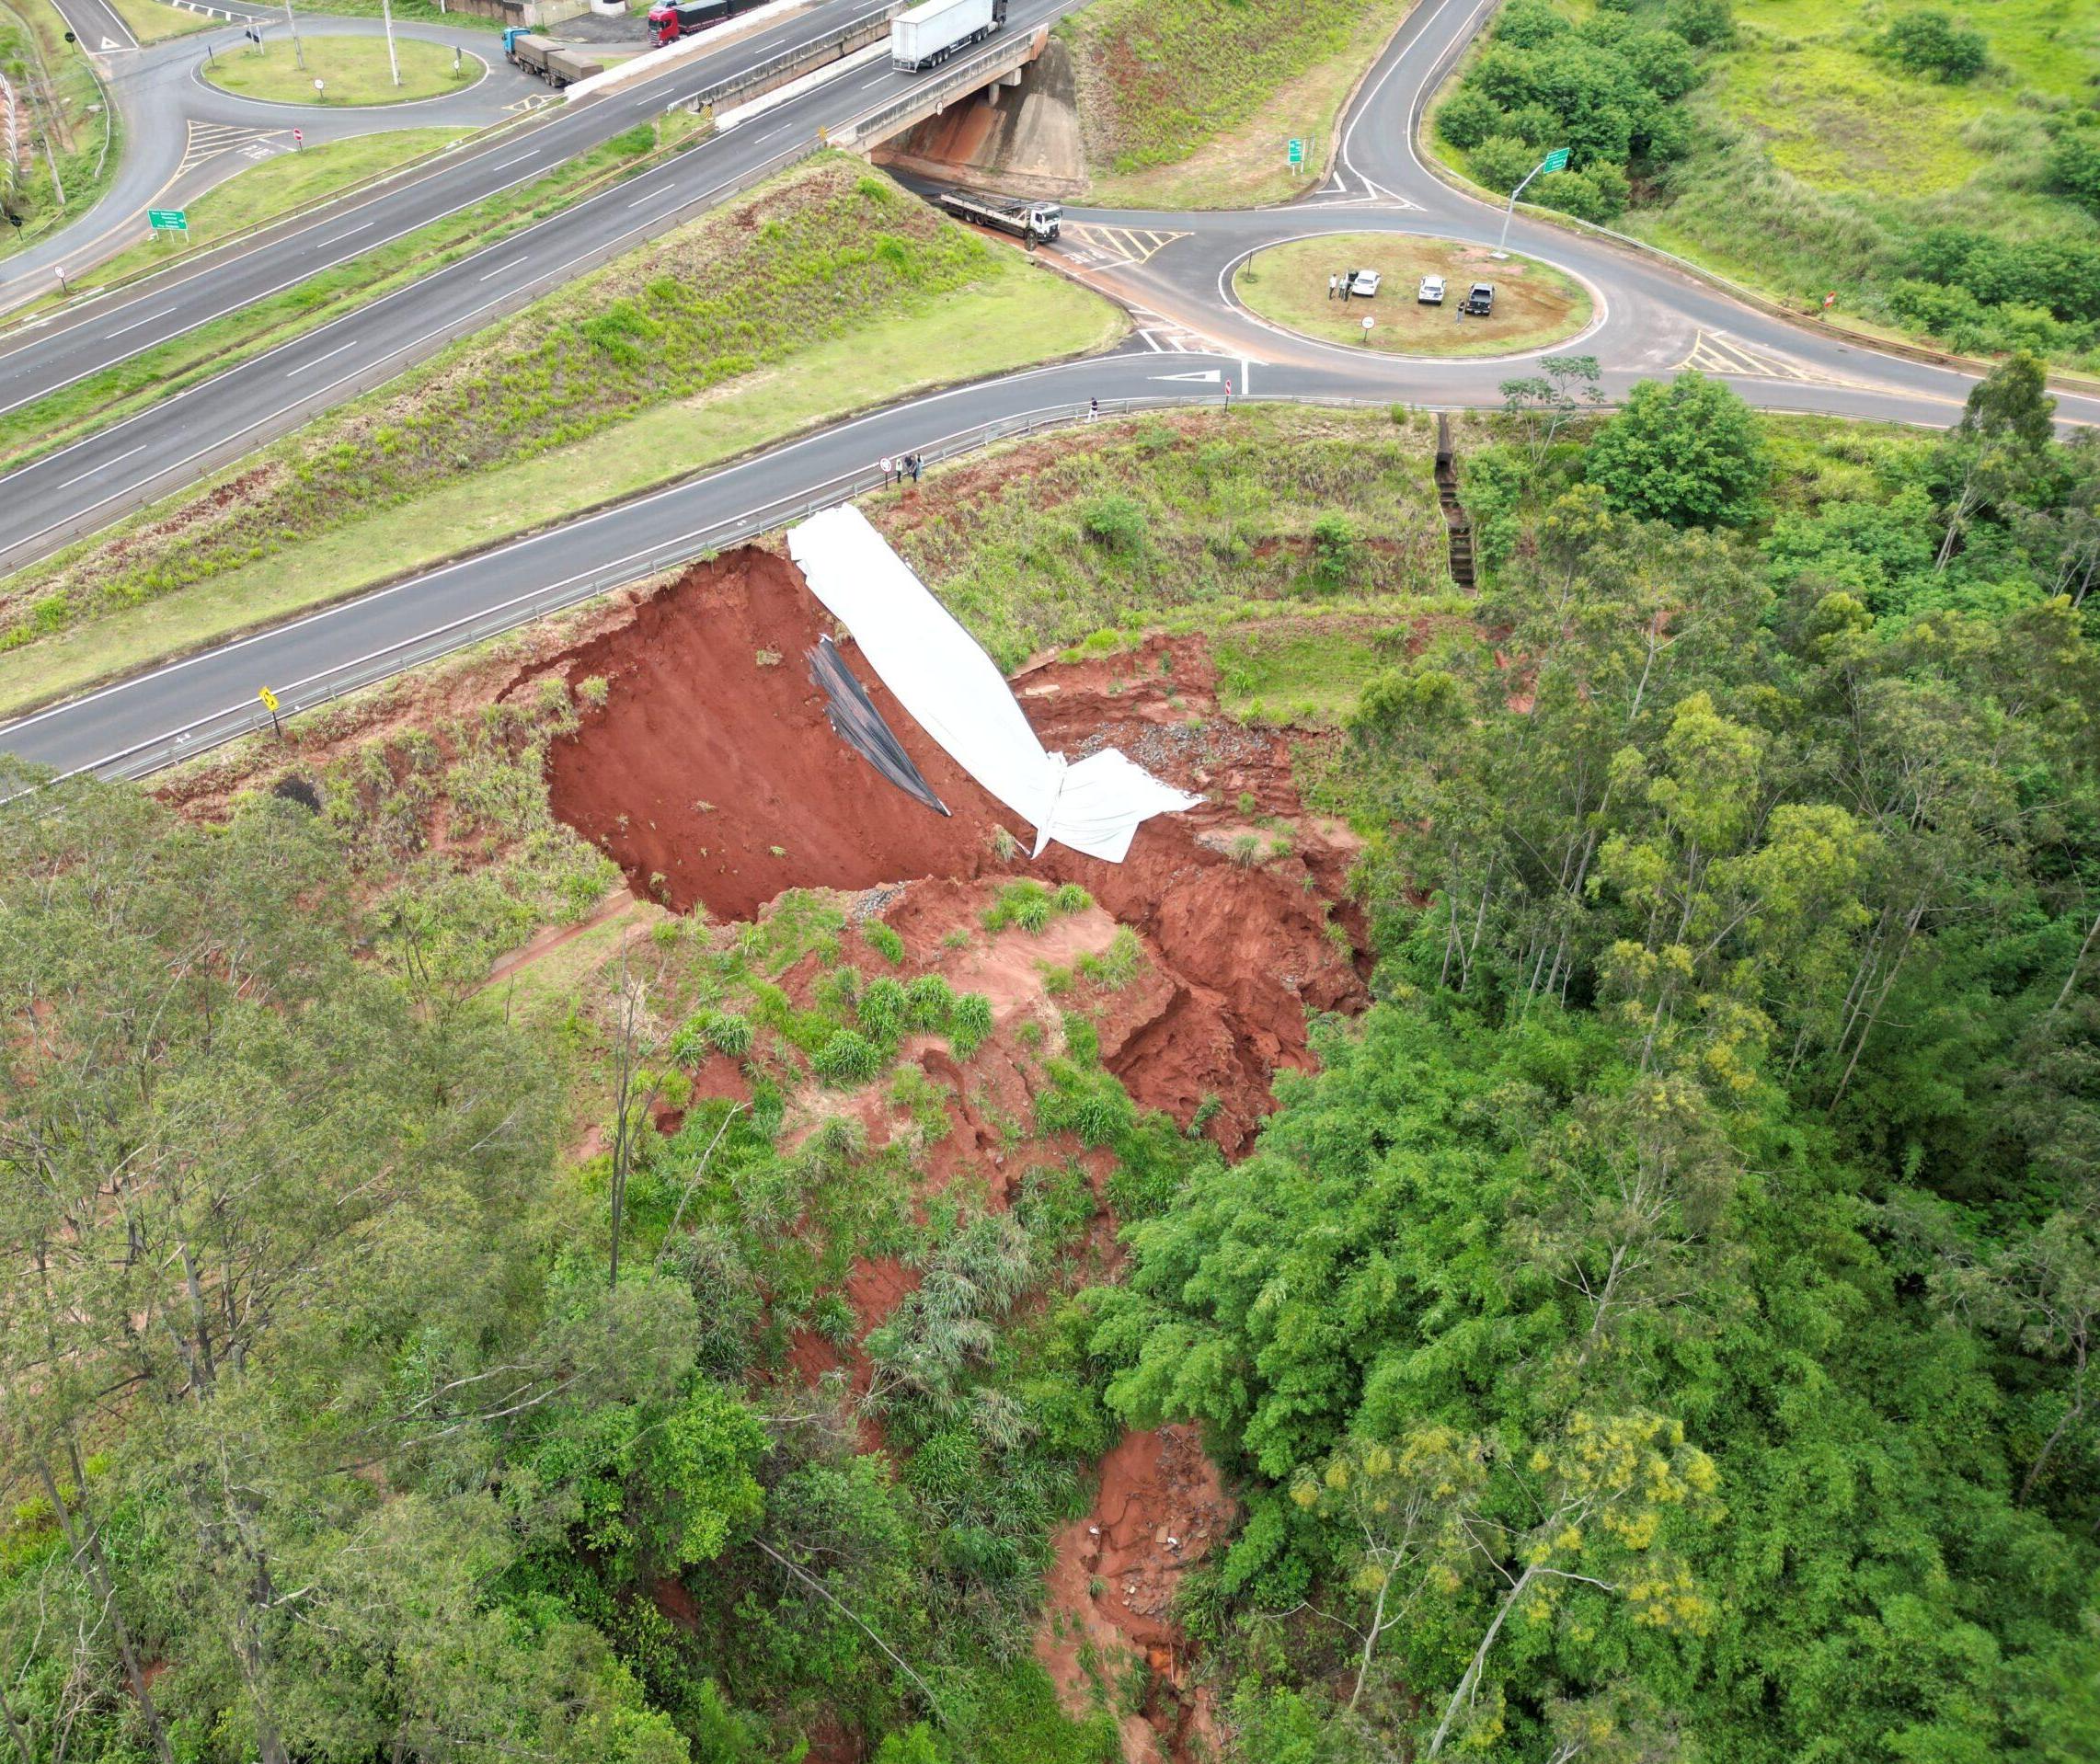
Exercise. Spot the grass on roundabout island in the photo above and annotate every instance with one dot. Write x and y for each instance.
(353, 71)
(1535, 305)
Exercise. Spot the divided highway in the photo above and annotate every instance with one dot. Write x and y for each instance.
(1196, 342)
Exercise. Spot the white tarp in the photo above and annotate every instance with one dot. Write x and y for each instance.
(940, 674)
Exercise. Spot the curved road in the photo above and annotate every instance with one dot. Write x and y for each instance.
(182, 135)
(1194, 342)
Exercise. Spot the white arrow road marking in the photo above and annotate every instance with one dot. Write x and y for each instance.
(1209, 377)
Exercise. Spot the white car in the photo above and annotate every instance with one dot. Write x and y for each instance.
(1365, 285)
(1431, 292)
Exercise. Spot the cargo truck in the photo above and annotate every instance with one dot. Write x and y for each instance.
(557, 66)
(667, 24)
(1008, 213)
(927, 35)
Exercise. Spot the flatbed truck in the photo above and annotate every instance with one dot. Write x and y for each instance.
(1024, 220)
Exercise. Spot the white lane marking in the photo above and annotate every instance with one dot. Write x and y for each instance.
(655, 195)
(518, 161)
(146, 320)
(105, 465)
(345, 234)
(500, 269)
(319, 359)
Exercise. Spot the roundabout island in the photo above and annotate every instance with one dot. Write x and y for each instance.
(342, 72)
(1533, 305)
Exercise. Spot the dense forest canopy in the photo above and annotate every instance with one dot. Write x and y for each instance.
(1660, 1327)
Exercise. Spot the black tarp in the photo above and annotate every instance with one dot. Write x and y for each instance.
(859, 725)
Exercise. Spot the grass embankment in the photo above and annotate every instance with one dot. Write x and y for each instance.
(795, 305)
(276, 187)
(350, 71)
(103, 398)
(1535, 305)
(1819, 164)
(1939, 176)
(1196, 521)
(151, 22)
(71, 142)
(1193, 104)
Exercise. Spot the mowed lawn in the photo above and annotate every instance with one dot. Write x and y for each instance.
(1535, 305)
(351, 71)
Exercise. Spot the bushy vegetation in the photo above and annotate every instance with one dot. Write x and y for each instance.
(61, 168)
(799, 261)
(1922, 165)
(1656, 1331)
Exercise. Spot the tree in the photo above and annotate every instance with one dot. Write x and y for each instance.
(1688, 453)
(1545, 401)
(1931, 43)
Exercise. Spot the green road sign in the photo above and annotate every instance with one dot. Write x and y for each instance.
(1297, 150)
(168, 220)
(1556, 160)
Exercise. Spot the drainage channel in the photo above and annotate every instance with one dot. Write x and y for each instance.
(1458, 524)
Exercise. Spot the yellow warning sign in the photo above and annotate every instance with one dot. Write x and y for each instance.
(269, 698)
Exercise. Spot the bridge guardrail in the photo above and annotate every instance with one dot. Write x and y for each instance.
(199, 738)
(961, 79)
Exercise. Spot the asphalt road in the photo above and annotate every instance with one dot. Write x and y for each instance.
(182, 135)
(88, 485)
(1195, 343)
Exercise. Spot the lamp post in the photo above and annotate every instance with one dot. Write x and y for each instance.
(1555, 161)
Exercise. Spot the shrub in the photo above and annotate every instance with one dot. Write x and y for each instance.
(969, 1024)
(928, 1000)
(1072, 898)
(883, 1011)
(1115, 967)
(1931, 43)
(885, 940)
(1705, 24)
(1598, 193)
(2074, 167)
(730, 1033)
(1468, 118)
(848, 1057)
(1025, 904)
(1688, 453)
(1500, 162)
(1336, 550)
(1116, 523)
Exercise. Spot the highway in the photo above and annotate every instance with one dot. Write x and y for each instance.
(1194, 342)
(88, 485)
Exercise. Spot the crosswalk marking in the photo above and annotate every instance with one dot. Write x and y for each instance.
(207, 139)
(1114, 247)
(1717, 352)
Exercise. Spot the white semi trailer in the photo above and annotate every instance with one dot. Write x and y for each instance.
(928, 34)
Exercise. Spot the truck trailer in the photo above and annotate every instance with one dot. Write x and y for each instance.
(557, 66)
(1009, 214)
(667, 24)
(929, 34)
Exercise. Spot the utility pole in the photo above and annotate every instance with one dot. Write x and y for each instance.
(298, 49)
(1555, 161)
(392, 61)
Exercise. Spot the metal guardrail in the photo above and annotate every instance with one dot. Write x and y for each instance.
(833, 46)
(202, 737)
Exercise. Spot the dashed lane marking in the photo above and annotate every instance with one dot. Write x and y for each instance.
(1717, 352)
(1113, 247)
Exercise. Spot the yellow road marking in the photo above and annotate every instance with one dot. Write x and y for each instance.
(1714, 352)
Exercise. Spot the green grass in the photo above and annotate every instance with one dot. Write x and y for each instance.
(77, 125)
(1192, 103)
(277, 186)
(1191, 521)
(350, 71)
(1816, 161)
(424, 11)
(153, 374)
(813, 312)
(1311, 671)
(1535, 305)
(152, 23)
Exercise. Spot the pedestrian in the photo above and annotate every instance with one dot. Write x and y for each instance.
(1333, 282)
(918, 460)
(1093, 409)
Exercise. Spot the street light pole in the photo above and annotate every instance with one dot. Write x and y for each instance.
(392, 61)
(1555, 161)
(298, 49)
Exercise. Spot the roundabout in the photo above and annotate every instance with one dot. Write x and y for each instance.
(345, 71)
(1534, 305)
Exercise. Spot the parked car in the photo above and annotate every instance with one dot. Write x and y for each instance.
(1480, 302)
(1365, 283)
(1431, 292)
